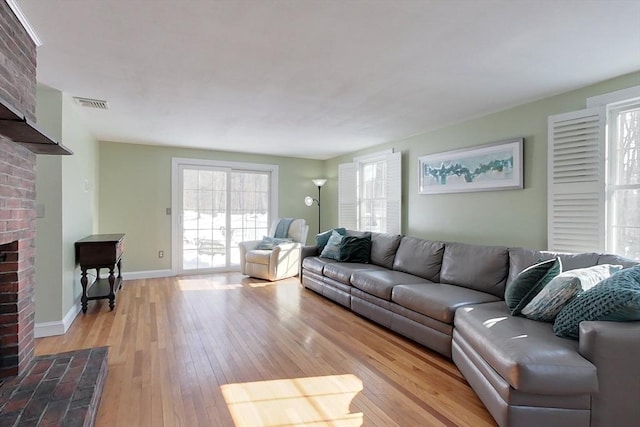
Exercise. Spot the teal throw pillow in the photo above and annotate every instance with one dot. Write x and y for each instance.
(332, 248)
(529, 283)
(545, 306)
(323, 238)
(356, 249)
(268, 243)
(616, 299)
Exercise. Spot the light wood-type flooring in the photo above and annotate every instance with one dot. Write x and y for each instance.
(226, 350)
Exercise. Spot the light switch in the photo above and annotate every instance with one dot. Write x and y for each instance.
(39, 210)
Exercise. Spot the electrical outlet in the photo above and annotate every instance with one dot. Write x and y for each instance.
(160, 254)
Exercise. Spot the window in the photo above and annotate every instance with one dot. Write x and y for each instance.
(369, 195)
(217, 205)
(623, 195)
(594, 176)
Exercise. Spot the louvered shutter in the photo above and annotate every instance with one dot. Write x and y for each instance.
(394, 192)
(576, 181)
(348, 195)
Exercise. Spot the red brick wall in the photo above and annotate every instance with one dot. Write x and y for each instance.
(17, 257)
(17, 64)
(17, 200)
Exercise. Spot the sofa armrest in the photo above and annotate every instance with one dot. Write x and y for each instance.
(614, 349)
(245, 247)
(308, 251)
(285, 256)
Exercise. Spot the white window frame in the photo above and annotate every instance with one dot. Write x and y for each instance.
(588, 196)
(179, 162)
(613, 110)
(350, 190)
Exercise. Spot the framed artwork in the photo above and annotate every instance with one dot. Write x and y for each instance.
(496, 166)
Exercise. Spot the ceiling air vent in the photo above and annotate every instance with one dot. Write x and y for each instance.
(92, 103)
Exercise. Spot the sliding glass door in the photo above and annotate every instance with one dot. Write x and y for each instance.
(219, 207)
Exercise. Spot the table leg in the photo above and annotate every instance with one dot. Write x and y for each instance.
(84, 282)
(112, 295)
(120, 272)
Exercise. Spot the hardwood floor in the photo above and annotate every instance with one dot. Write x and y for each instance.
(226, 350)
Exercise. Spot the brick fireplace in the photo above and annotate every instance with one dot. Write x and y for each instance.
(17, 200)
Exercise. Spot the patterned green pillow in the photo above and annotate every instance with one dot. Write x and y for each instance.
(529, 282)
(545, 306)
(356, 249)
(323, 238)
(332, 248)
(616, 298)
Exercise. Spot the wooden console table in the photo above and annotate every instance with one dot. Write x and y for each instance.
(95, 252)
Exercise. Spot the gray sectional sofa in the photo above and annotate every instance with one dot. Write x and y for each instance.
(449, 297)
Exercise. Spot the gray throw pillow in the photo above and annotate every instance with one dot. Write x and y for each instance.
(616, 298)
(529, 283)
(545, 306)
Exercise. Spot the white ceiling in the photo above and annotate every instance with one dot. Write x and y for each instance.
(313, 78)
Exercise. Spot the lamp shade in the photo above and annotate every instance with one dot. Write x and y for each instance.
(319, 182)
(308, 200)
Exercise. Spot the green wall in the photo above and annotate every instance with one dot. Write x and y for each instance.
(512, 217)
(48, 278)
(135, 190)
(135, 184)
(66, 187)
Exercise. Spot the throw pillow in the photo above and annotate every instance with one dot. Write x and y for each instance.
(616, 298)
(356, 249)
(268, 243)
(529, 283)
(323, 238)
(332, 248)
(563, 288)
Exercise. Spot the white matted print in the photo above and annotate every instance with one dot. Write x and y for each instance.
(496, 166)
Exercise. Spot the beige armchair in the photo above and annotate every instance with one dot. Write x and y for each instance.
(278, 263)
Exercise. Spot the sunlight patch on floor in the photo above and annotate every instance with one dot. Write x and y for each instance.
(311, 401)
(206, 285)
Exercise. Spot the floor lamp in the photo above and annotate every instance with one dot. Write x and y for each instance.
(309, 200)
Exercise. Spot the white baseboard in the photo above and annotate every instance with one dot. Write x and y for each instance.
(151, 274)
(60, 327)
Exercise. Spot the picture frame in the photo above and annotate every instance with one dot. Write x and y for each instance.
(489, 167)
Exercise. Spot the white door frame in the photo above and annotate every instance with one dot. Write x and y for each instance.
(176, 215)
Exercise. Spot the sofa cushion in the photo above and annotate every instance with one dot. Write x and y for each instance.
(383, 249)
(419, 257)
(545, 306)
(436, 300)
(316, 264)
(616, 298)
(381, 282)
(342, 271)
(483, 268)
(616, 260)
(524, 352)
(529, 283)
(521, 258)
